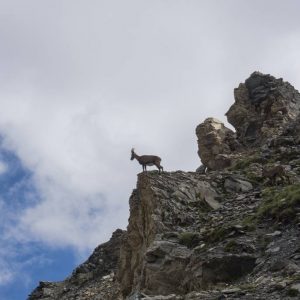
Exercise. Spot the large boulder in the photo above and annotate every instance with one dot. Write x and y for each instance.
(216, 143)
(264, 106)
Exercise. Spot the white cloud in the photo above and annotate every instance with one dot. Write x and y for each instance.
(12, 268)
(83, 83)
(3, 167)
(6, 276)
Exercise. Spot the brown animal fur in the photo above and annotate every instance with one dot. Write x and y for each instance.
(275, 172)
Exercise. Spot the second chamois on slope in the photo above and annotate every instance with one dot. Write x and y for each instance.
(274, 173)
(147, 160)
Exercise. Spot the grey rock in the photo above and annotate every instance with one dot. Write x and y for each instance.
(208, 194)
(160, 297)
(237, 185)
(296, 286)
(264, 106)
(231, 291)
(273, 250)
(215, 144)
(201, 169)
(278, 265)
(274, 234)
(135, 296)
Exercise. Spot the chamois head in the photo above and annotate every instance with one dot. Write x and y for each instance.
(132, 154)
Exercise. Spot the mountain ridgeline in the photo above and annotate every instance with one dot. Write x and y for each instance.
(230, 230)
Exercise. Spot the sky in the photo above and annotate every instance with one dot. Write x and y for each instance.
(82, 82)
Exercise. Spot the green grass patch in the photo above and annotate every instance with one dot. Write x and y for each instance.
(250, 222)
(292, 292)
(253, 179)
(295, 277)
(247, 286)
(280, 204)
(217, 234)
(244, 162)
(232, 246)
(189, 239)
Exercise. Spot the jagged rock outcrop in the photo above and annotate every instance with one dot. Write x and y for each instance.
(264, 111)
(228, 233)
(263, 107)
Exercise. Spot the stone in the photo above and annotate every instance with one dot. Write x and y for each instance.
(208, 194)
(135, 296)
(296, 286)
(215, 143)
(237, 185)
(231, 291)
(278, 265)
(274, 234)
(160, 297)
(273, 250)
(279, 285)
(201, 169)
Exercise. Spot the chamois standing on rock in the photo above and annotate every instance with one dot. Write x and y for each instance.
(147, 160)
(275, 172)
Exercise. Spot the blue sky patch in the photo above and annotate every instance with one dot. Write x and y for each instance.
(23, 263)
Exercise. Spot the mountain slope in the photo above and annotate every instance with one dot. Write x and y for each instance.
(228, 231)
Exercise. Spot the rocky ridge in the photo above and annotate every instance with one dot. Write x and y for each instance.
(228, 231)
(94, 279)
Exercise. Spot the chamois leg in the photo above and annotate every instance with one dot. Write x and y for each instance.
(159, 167)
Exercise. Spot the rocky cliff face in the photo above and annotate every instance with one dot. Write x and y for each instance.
(162, 210)
(94, 279)
(231, 232)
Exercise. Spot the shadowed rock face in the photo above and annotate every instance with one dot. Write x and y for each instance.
(263, 107)
(226, 268)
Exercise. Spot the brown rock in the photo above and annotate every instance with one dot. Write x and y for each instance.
(216, 143)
